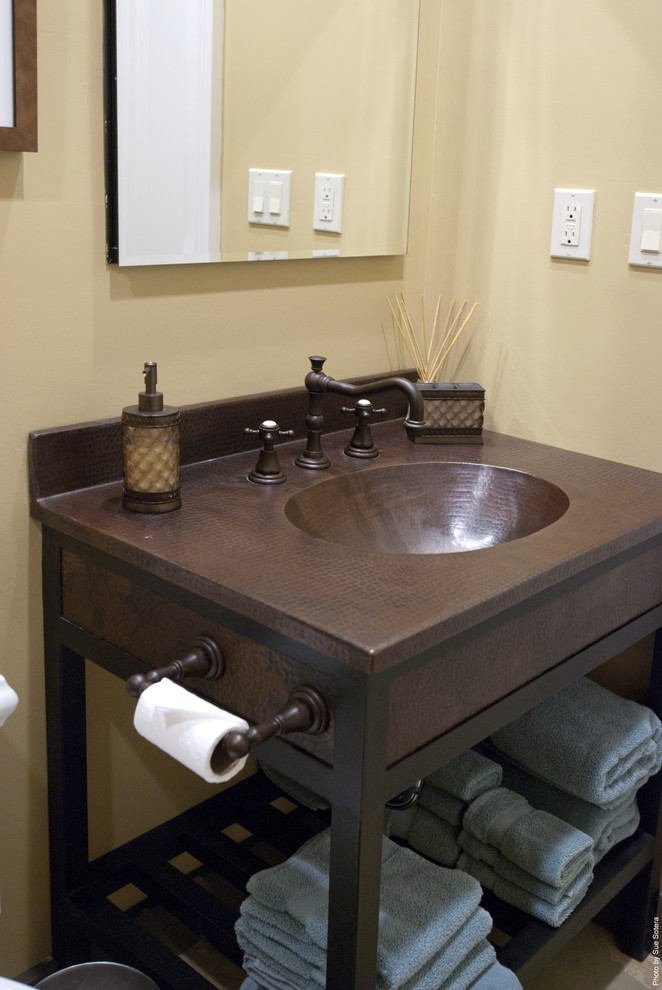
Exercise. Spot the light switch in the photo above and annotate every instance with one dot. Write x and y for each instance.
(572, 224)
(651, 231)
(646, 233)
(269, 197)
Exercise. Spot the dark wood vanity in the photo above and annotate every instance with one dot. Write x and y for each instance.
(418, 656)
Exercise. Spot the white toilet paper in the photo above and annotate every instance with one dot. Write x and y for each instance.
(8, 700)
(186, 727)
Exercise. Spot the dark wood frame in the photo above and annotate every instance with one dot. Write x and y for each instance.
(23, 136)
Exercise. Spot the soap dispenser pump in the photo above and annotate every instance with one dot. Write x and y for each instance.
(150, 448)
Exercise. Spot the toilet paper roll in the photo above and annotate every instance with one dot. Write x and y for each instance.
(8, 700)
(186, 727)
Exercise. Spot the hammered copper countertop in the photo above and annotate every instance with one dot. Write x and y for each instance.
(232, 544)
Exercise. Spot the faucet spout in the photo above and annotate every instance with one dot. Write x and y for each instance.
(318, 383)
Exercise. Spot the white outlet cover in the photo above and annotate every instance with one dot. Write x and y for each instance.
(643, 259)
(560, 248)
(329, 188)
(268, 255)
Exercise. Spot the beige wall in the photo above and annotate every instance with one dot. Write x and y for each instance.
(569, 353)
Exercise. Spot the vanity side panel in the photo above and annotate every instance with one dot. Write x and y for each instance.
(430, 700)
(156, 630)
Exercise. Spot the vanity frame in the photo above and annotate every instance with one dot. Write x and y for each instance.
(95, 588)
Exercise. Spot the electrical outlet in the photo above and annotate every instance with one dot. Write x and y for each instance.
(328, 202)
(572, 224)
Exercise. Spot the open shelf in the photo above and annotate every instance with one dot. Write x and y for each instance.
(195, 868)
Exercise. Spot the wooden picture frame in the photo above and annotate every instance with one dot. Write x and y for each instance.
(23, 135)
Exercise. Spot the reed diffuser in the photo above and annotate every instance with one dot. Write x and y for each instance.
(453, 411)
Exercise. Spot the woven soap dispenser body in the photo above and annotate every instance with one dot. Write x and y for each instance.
(150, 448)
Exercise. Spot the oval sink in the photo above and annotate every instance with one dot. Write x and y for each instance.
(431, 507)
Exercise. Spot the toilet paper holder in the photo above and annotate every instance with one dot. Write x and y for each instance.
(204, 659)
(305, 710)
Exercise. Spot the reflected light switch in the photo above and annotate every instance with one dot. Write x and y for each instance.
(275, 197)
(269, 196)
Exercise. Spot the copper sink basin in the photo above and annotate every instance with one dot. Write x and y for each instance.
(431, 507)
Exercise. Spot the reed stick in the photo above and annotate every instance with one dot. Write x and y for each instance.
(429, 349)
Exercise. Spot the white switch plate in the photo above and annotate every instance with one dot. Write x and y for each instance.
(572, 223)
(643, 259)
(328, 205)
(269, 196)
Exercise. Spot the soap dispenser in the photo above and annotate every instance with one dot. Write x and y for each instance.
(150, 448)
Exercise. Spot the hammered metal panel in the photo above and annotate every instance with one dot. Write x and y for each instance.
(156, 630)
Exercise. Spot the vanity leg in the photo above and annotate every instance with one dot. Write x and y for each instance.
(639, 900)
(357, 823)
(67, 770)
(354, 902)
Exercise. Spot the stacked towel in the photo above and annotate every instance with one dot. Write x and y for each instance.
(497, 977)
(527, 857)
(586, 741)
(432, 826)
(432, 930)
(606, 826)
(467, 776)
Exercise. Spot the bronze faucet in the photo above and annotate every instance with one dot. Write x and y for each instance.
(318, 383)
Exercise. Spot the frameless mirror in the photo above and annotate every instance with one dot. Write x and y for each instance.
(243, 130)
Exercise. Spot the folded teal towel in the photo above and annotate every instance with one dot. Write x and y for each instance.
(275, 956)
(442, 803)
(552, 914)
(267, 977)
(433, 837)
(606, 826)
(587, 741)
(539, 843)
(521, 878)
(493, 813)
(398, 821)
(422, 905)
(467, 776)
(424, 832)
(296, 791)
(497, 977)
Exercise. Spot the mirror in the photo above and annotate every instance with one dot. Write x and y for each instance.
(18, 75)
(310, 103)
